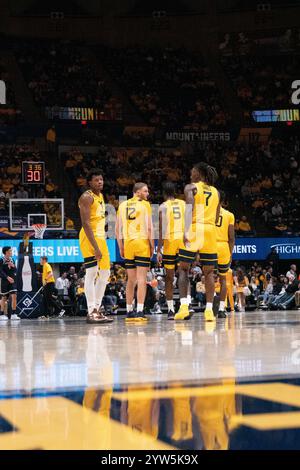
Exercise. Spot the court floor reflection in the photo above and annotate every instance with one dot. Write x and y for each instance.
(234, 384)
(219, 416)
(71, 354)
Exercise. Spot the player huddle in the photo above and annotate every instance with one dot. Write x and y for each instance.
(198, 226)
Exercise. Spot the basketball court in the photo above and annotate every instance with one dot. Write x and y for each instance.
(185, 385)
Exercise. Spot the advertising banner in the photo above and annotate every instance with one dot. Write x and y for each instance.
(57, 251)
(67, 250)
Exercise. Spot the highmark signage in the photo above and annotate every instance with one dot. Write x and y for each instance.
(68, 251)
(259, 248)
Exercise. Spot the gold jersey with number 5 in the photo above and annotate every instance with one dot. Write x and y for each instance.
(173, 211)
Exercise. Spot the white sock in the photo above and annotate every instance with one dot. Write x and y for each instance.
(222, 305)
(140, 307)
(189, 299)
(129, 308)
(100, 285)
(170, 304)
(184, 301)
(89, 288)
(208, 306)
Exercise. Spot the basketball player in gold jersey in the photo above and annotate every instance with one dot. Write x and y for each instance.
(171, 227)
(93, 246)
(201, 214)
(134, 233)
(225, 244)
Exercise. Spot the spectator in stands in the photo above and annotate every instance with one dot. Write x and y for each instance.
(110, 299)
(50, 186)
(200, 290)
(7, 184)
(292, 273)
(2, 205)
(277, 210)
(281, 227)
(81, 298)
(62, 284)
(69, 224)
(284, 301)
(10, 194)
(71, 272)
(73, 278)
(267, 298)
(22, 193)
(244, 226)
(267, 216)
(241, 282)
(81, 182)
(254, 287)
(51, 139)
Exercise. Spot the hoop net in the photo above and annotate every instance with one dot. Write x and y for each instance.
(39, 230)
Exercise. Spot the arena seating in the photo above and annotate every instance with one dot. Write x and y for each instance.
(170, 87)
(262, 82)
(59, 74)
(10, 114)
(255, 175)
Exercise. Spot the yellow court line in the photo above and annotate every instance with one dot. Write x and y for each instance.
(58, 423)
(285, 394)
(175, 392)
(268, 421)
(277, 392)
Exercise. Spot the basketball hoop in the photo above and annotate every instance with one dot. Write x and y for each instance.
(39, 230)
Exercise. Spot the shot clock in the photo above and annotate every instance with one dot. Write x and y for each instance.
(33, 172)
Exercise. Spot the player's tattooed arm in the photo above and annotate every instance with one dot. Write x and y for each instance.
(189, 194)
(85, 203)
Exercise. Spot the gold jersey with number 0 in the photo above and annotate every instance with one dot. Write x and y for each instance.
(226, 218)
(173, 219)
(206, 204)
(97, 214)
(135, 215)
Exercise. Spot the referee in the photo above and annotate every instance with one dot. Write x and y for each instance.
(49, 288)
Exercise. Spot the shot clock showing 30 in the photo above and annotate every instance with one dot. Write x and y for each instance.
(33, 172)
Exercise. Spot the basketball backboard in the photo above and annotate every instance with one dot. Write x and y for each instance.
(24, 213)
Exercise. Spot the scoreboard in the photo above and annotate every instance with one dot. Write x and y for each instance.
(33, 172)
